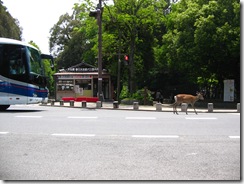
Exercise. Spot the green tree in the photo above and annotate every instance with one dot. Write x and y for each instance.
(71, 38)
(218, 35)
(182, 46)
(9, 27)
(135, 20)
(203, 41)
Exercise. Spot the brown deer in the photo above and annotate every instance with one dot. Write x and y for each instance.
(186, 98)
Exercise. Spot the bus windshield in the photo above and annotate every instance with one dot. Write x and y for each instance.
(35, 61)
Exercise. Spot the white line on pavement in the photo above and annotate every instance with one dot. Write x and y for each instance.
(238, 114)
(81, 117)
(234, 137)
(140, 118)
(189, 118)
(4, 132)
(75, 135)
(28, 116)
(155, 136)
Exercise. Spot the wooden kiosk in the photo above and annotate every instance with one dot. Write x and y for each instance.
(81, 80)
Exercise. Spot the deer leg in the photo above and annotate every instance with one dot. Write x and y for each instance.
(186, 108)
(174, 107)
(194, 108)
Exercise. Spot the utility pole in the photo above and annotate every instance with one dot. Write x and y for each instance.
(98, 15)
(119, 66)
(99, 19)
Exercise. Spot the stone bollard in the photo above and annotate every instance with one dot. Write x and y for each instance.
(158, 107)
(184, 107)
(72, 103)
(99, 104)
(115, 104)
(135, 105)
(61, 102)
(52, 102)
(83, 104)
(238, 107)
(210, 107)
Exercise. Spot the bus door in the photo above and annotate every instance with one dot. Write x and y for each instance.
(4, 87)
(16, 67)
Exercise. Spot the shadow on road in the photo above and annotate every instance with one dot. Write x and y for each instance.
(20, 111)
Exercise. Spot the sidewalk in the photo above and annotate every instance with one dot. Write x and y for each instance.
(165, 107)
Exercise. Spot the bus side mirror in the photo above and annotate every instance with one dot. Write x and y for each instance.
(45, 56)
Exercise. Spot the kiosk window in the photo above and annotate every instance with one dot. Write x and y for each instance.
(65, 85)
(84, 83)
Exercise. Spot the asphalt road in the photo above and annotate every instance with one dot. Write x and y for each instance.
(58, 143)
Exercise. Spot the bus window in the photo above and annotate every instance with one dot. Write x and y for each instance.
(12, 61)
(35, 62)
(17, 61)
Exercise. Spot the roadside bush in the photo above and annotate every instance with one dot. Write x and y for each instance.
(143, 96)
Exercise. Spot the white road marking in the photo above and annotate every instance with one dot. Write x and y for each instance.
(189, 118)
(140, 118)
(28, 116)
(234, 137)
(74, 135)
(155, 136)
(191, 154)
(4, 132)
(238, 114)
(81, 117)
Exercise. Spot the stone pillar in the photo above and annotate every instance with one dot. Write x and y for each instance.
(210, 107)
(238, 107)
(52, 102)
(99, 104)
(184, 107)
(115, 104)
(83, 104)
(72, 103)
(158, 107)
(136, 106)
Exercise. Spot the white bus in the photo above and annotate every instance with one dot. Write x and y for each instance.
(22, 79)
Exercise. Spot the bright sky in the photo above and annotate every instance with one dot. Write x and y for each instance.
(37, 17)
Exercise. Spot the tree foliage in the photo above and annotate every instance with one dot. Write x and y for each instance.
(9, 26)
(202, 43)
(71, 37)
(179, 47)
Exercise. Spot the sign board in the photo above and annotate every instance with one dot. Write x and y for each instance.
(229, 88)
(74, 77)
(82, 70)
